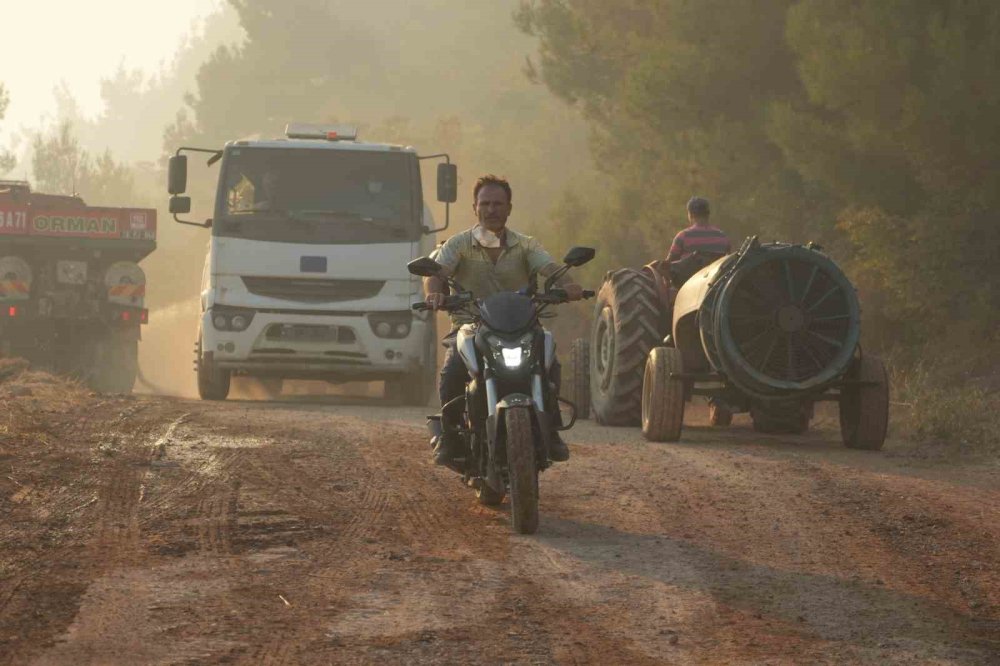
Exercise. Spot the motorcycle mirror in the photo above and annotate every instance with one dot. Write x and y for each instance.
(578, 256)
(424, 267)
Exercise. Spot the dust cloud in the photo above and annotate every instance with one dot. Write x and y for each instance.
(442, 76)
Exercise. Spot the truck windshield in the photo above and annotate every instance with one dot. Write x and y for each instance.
(308, 195)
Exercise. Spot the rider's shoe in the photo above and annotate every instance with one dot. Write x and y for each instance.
(447, 448)
(558, 450)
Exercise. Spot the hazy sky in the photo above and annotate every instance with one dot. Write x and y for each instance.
(47, 41)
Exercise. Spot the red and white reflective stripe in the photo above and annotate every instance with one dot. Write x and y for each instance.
(14, 289)
(127, 290)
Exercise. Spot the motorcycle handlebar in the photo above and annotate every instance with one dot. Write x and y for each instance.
(553, 296)
(450, 303)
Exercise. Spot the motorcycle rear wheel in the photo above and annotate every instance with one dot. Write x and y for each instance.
(523, 471)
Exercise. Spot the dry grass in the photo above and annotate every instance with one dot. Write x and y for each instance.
(945, 413)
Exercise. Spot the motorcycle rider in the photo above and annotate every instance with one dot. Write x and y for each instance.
(486, 259)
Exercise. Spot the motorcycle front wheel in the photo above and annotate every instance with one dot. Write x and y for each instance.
(523, 471)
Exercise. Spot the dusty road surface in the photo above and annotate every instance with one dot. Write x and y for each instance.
(163, 531)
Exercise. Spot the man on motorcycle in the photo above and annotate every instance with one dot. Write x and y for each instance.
(700, 236)
(486, 259)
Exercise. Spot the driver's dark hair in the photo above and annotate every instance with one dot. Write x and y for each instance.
(490, 179)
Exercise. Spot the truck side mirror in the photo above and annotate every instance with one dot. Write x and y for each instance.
(180, 205)
(177, 175)
(447, 183)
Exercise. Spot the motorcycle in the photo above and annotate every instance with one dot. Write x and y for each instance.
(510, 405)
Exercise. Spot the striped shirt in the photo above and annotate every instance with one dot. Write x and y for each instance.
(697, 238)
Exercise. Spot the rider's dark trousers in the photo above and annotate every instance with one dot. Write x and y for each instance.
(454, 375)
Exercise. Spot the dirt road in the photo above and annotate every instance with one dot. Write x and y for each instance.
(164, 531)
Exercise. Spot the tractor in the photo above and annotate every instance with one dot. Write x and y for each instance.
(769, 330)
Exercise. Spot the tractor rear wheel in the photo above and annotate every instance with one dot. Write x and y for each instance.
(625, 329)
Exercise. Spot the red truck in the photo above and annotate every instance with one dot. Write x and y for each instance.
(72, 293)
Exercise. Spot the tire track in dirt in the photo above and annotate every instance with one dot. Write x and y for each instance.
(764, 542)
(297, 535)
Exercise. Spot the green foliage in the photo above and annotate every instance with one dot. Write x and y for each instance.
(7, 160)
(869, 125)
(61, 166)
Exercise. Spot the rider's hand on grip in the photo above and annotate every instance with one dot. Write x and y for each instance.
(435, 301)
(557, 295)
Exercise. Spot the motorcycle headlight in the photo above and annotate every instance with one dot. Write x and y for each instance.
(512, 356)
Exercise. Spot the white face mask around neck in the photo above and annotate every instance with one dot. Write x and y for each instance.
(485, 237)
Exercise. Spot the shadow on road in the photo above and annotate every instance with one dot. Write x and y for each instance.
(850, 611)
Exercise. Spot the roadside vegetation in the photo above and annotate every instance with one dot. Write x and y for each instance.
(868, 127)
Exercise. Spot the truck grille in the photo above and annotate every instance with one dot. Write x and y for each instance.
(312, 291)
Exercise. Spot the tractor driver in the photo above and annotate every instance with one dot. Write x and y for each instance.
(700, 236)
(487, 259)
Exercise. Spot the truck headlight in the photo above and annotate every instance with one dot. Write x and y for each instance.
(392, 325)
(226, 318)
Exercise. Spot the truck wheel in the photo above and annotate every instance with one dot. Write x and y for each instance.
(272, 386)
(627, 314)
(115, 364)
(577, 389)
(783, 419)
(213, 383)
(719, 415)
(864, 409)
(662, 397)
(415, 389)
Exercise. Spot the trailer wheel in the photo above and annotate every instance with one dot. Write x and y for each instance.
(577, 389)
(719, 415)
(662, 396)
(626, 327)
(864, 409)
(213, 383)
